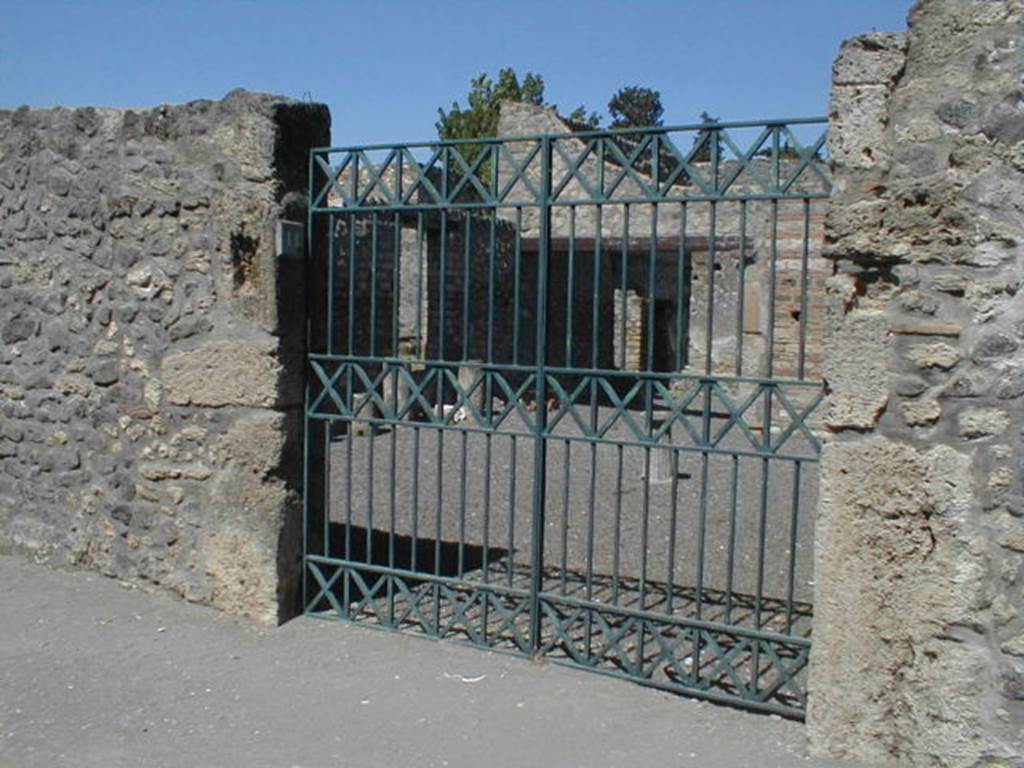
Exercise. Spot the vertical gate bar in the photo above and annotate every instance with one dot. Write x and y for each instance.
(327, 488)
(684, 268)
(513, 461)
(421, 348)
(488, 388)
(741, 299)
(393, 514)
(618, 526)
(490, 300)
(306, 501)
(592, 513)
(486, 557)
(540, 442)
(440, 391)
(395, 374)
(804, 263)
(462, 505)
(349, 449)
(565, 514)
(487, 506)
(437, 526)
(570, 291)
(570, 295)
(369, 490)
(595, 320)
(730, 573)
(730, 567)
(442, 291)
(766, 424)
(793, 522)
(602, 149)
(415, 497)
(623, 365)
(623, 288)
(670, 576)
(467, 238)
(348, 513)
(349, 385)
(355, 176)
(715, 139)
(652, 266)
(776, 159)
(350, 349)
(709, 321)
(517, 261)
(709, 384)
(644, 529)
(374, 246)
(306, 422)
(330, 283)
(329, 425)
(396, 282)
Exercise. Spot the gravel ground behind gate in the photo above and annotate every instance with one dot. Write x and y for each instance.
(441, 485)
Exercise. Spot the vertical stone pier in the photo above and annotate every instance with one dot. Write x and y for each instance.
(919, 616)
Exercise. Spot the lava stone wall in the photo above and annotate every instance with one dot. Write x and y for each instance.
(150, 388)
(918, 649)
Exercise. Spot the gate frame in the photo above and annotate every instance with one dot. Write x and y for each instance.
(323, 177)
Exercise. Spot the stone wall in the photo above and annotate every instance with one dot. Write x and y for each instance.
(150, 389)
(919, 606)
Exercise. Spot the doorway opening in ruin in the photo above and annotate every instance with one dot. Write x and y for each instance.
(562, 399)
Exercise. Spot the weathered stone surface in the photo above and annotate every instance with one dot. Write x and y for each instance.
(123, 273)
(926, 328)
(983, 422)
(1014, 646)
(252, 509)
(941, 356)
(855, 370)
(875, 59)
(895, 564)
(919, 546)
(224, 372)
(920, 413)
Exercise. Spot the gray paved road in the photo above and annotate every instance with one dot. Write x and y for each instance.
(93, 675)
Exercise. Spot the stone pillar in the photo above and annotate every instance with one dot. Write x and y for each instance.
(628, 342)
(918, 650)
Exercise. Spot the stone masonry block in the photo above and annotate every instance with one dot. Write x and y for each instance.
(225, 372)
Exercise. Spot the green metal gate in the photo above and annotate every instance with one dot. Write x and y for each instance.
(561, 398)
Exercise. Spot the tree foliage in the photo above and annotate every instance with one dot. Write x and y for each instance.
(635, 107)
(703, 140)
(479, 118)
(483, 104)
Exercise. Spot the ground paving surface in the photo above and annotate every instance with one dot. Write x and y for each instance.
(95, 674)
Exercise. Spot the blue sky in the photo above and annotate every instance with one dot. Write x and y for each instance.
(384, 66)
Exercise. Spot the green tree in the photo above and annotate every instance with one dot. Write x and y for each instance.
(703, 140)
(479, 118)
(635, 107)
(581, 121)
(483, 104)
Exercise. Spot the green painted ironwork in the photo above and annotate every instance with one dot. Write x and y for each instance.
(623, 490)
